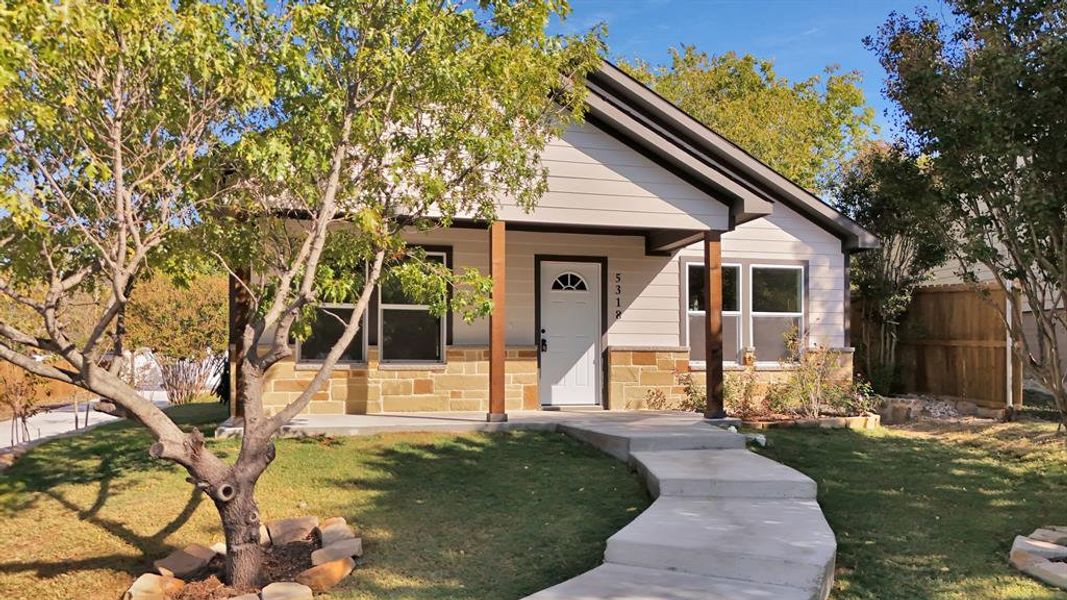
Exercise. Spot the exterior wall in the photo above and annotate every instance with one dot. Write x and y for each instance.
(648, 300)
(594, 179)
(462, 384)
(787, 237)
(645, 377)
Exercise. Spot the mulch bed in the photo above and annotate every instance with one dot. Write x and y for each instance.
(281, 563)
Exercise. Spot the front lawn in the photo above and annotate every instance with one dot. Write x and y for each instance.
(930, 511)
(443, 516)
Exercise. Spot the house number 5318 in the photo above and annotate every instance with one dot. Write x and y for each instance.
(618, 295)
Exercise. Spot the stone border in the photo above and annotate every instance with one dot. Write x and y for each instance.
(855, 423)
(1041, 554)
(330, 563)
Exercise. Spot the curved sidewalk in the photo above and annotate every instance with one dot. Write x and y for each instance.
(727, 524)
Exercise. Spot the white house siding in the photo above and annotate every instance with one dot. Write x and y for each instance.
(785, 237)
(648, 302)
(594, 179)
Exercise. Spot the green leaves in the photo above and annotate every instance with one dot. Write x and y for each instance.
(804, 130)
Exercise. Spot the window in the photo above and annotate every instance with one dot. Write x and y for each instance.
(696, 305)
(407, 331)
(330, 322)
(569, 282)
(777, 297)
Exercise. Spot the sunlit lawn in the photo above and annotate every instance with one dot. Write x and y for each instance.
(931, 511)
(443, 516)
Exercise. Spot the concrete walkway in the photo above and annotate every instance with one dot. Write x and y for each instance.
(60, 421)
(726, 524)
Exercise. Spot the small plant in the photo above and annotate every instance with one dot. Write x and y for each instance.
(814, 384)
(743, 394)
(656, 399)
(20, 393)
(696, 396)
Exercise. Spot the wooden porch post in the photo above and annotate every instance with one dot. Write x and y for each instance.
(497, 325)
(713, 335)
(240, 305)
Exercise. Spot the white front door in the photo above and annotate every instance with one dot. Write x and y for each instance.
(570, 333)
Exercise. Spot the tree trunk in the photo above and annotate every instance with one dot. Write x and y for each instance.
(241, 522)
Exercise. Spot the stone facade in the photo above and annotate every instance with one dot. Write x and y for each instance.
(638, 378)
(460, 384)
(645, 377)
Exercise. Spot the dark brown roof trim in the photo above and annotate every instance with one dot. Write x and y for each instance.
(650, 111)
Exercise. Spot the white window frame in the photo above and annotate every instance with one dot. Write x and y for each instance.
(753, 314)
(702, 364)
(340, 361)
(382, 307)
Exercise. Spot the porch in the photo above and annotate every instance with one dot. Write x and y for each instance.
(579, 319)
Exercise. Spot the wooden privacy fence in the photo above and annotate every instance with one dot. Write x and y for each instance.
(952, 342)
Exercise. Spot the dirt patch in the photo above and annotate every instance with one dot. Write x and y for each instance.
(281, 563)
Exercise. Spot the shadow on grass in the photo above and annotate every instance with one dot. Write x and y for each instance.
(489, 516)
(99, 457)
(932, 513)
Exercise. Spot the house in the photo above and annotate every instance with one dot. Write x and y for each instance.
(659, 247)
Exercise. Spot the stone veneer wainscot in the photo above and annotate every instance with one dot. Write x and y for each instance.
(459, 384)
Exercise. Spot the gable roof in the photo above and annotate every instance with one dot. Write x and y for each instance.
(646, 120)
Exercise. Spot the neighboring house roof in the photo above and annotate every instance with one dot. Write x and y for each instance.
(659, 129)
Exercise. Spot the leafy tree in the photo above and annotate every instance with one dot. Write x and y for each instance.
(296, 141)
(984, 97)
(184, 324)
(892, 195)
(803, 129)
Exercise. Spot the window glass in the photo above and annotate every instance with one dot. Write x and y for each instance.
(410, 335)
(730, 288)
(731, 338)
(769, 335)
(325, 332)
(776, 290)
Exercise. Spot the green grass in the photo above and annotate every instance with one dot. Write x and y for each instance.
(443, 516)
(930, 511)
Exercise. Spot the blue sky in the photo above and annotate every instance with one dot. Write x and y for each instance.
(801, 36)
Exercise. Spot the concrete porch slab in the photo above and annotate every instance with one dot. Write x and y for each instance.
(620, 439)
(720, 473)
(621, 582)
(778, 542)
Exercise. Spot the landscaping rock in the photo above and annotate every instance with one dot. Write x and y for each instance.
(286, 590)
(335, 532)
(284, 531)
(337, 550)
(1023, 560)
(246, 597)
(1052, 573)
(264, 536)
(153, 587)
(332, 521)
(1039, 548)
(326, 575)
(186, 562)
(1049, 535)
(219, 548)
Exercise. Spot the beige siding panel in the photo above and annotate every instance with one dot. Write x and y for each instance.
(649, 301)
(595, 180)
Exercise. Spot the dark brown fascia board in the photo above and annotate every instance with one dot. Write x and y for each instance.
(744, 204)
(610, 80)
(665, 241)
